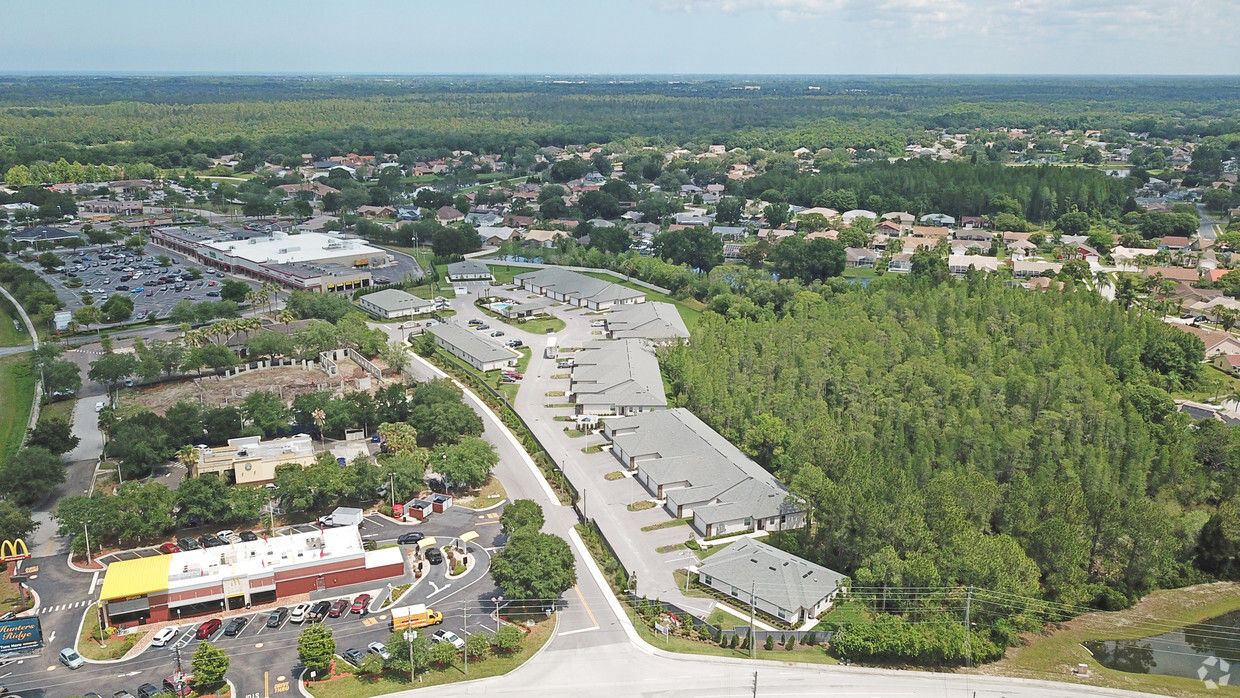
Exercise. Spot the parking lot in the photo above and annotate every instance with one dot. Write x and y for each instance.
(102, 278)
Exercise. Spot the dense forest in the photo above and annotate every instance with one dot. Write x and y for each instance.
(166, 120)
(972, 434)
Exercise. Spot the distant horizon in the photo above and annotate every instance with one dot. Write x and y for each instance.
(638, 37)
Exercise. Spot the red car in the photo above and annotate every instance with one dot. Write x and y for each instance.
(514, 375)
(169, 548)
(208, 628)
(337, 608)
(361, 603)
(210, 283)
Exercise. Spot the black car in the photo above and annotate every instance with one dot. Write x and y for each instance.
(434, 556)
(148, 690)
(248, 536)
(410, 538)
(319, 611)
(236, 625)
(211, 542)
(277, 617)
(188, 543)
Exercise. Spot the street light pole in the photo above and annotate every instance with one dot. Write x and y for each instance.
(392, 489)
(87, 531)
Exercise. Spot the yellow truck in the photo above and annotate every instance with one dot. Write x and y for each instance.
(416, 616)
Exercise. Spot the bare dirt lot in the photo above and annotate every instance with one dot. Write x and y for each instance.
(288, 382)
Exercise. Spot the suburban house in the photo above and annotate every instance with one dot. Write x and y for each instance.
(699, 474)
(469, 270)
(1175, 243)
(44, 233)
(976, 234)
(899, 217)
(1177, 274)
(1128, 255)
(937, 219)
(849, 216)
(537, 237)
(931, 231)
(961, 264)
(783, 585)
(900, 264)
(497, 235)
(653, 321)
(393, 303)
(1216, 342)
(1228, 363)
(911, 244)
(616, 377)
(860, 257)
(1210, 308)
(373, 212)
(828, 213)
(1027, 269)
(447, 214)
(580, 290)
(471, 347)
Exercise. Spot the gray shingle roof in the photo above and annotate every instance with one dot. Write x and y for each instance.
(395, 300)
(651, 320)
(623, 372)
(570, 283)
(470, 342)
(777, 577)
(468, 267)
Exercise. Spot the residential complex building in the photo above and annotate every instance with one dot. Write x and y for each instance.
(782, 585)
(468, 345)
(393, 303)
(617, 377)
(578, 289)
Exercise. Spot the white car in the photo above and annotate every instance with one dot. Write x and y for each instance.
(449, 637)
(598, 323)
(299, 613)
(380, 649)
(164, 636)
(228, 536)
(100, 405)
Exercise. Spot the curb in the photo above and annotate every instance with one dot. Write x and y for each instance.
(84, 570)
(35, 599)
(512, 439)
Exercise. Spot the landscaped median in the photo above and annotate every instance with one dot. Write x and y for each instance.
(113, 646)
(344, 683)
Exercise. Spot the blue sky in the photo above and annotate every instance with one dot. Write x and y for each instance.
(624, 36)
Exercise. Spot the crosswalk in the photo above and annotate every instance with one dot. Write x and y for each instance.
(90, 352)
(43, 610)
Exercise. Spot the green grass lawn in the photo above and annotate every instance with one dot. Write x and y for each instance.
(62, 409)
(859, 273)
(492, 492)
(348, 686)
(114, 647)
(1214, 385)
(504, 273)
(846, 612)
(10, 336)
(17, 387)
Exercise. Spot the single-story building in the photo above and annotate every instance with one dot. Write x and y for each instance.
(206, 581)
(249, 460)
(1215, 342)
(652, 321)
(469, 270)
(1023, 269)
(392, 303)
(1176, 274)
(44, 233)
(900, 264)
(1228, 363)
(616, 377)
(860, 257)
(530, 308)
(960, 264)
(471, 347)
(699, 474)
(783, 585)
(578, 289)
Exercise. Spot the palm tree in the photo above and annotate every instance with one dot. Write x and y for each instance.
(319, 418)
(187, 456)
(287, 317)
(1102, 279)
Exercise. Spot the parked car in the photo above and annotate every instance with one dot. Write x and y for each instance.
(483, 326)
(188, 544)
(210, 541)
(148, 690)
(70, 658)
(169, 548)
(236, 625)
(123, 694)
(228, 536)
(380, 649)
(100, 405)
(164, 636)
(248, 536)
(277, 617)
(353, 656)
(318, 611)
(298, 614)
(598, 323)
(361, 604)
(208, 628)
(497, 333)
(338, 607)
(449, 637)
(213, 294)
(434, 556)
(410, 538)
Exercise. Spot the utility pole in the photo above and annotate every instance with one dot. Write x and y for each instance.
(177, 648)
(88, 563)
(755, 684)
(968, 627)
(465, 629)
(753, 641)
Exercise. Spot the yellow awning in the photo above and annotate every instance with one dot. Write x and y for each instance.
(135, 577)
(468, 536)
(426, 543)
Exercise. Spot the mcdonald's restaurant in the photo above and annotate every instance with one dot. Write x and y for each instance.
(198, 582)
(14, 550)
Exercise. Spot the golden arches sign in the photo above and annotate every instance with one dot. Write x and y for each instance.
(11, 550)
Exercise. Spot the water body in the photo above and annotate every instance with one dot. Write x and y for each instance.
(1184, 652)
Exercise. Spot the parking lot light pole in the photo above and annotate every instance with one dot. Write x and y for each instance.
(87, 531)
(497, 600)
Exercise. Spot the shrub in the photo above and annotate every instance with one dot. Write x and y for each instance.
(736, 640)
(792, 641)
(770, 642)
